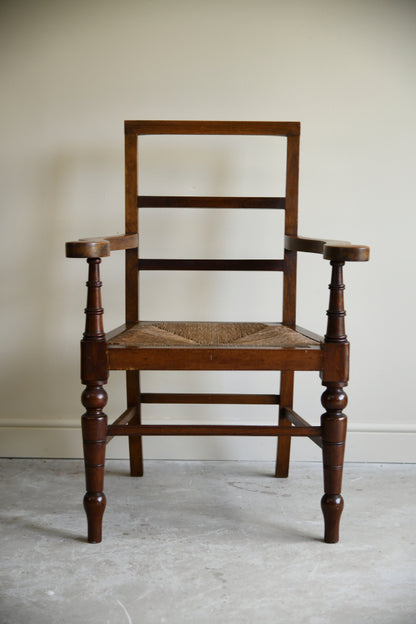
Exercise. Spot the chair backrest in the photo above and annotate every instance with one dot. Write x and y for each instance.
(289, 203)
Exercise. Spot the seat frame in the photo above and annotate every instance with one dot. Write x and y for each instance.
(100, 353)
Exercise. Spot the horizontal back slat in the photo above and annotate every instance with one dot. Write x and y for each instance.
(212, 399)
(272, 128)
(187, 201)
(165, 264)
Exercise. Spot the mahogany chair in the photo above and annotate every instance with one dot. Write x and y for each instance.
(166, 345)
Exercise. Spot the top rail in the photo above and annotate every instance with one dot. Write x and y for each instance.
(273, 128)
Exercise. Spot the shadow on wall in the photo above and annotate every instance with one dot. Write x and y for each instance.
(66, 193)
(80, 193)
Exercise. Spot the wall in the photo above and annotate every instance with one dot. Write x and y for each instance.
(71, 72)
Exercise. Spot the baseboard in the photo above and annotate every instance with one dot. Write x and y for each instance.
(365, 443)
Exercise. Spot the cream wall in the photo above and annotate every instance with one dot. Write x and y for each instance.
(71, 72)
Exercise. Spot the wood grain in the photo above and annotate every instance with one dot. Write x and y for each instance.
(211, 399)
(271, 128)
(212, 430)
(99, 247)
(190, 264)
(187, 201)
(340, 251)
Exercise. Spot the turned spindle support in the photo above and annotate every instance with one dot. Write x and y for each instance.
(334, 400)
(94, 375)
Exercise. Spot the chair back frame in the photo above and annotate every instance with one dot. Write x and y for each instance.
(133, 201)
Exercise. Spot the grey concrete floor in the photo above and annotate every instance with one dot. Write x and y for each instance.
(213, 542)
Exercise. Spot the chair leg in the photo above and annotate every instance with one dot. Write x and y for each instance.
(136, 454)
(94, 375)
(135, 442)
(283, 443)
(334, 429)
(94, 423)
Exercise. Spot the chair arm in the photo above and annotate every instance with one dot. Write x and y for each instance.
(337, 251)
(101, 246)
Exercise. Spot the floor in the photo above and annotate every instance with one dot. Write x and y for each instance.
(206, 542)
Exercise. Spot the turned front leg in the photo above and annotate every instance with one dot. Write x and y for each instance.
(94, 373)
(334, 400)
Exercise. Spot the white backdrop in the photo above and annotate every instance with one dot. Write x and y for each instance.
(72, 72)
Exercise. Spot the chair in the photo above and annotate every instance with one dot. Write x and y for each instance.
(213, 346)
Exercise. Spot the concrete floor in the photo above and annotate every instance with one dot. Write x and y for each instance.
(213, 542)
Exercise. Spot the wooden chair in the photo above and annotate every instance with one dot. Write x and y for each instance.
(164, 345)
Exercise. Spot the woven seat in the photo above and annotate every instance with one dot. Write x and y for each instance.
(211, 334)
(281, 347)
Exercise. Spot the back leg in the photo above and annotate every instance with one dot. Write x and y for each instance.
(135, 442)
(283, 443)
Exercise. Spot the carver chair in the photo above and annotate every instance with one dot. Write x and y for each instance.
(213, 346)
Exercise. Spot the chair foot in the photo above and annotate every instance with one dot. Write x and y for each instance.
(136, 472)
(332, 506)
(94, 505)
(281, 473)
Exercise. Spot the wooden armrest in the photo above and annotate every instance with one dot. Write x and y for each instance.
(101, 246)
(338, 251)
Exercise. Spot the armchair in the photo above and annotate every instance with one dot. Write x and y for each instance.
(172, 345)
